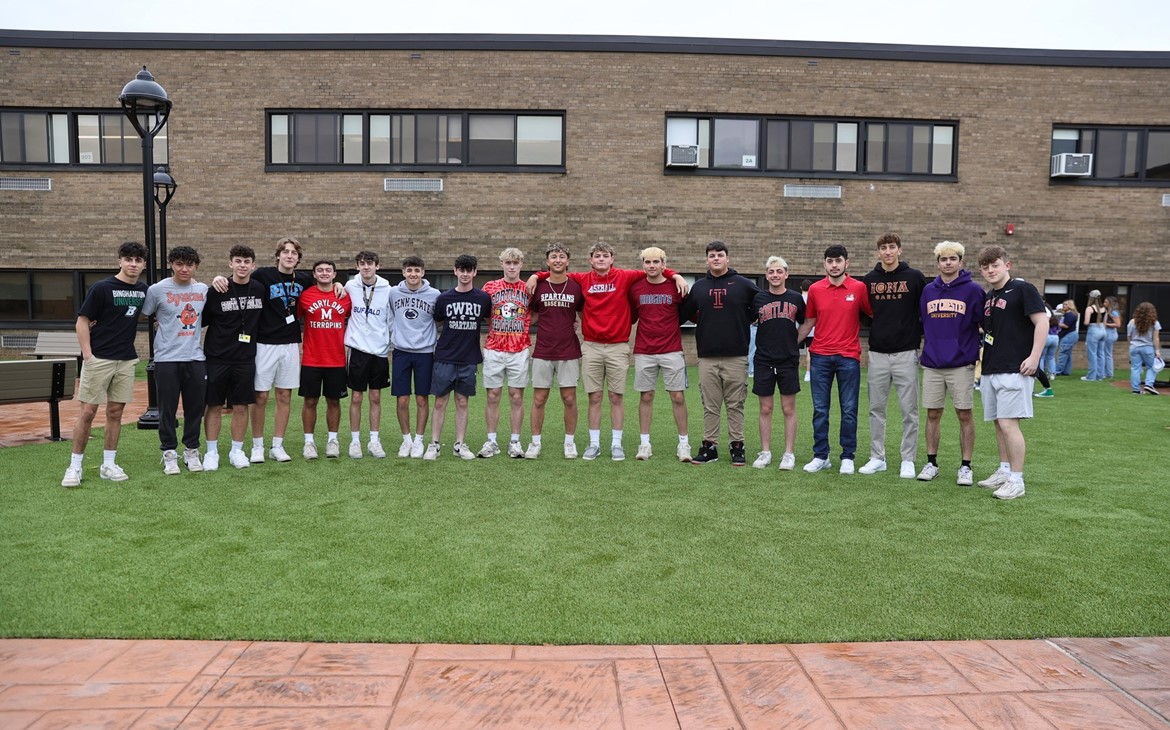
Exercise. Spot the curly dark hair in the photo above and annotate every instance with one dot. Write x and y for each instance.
(1144, 317)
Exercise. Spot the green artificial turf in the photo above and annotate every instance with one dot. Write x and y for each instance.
(553, 551)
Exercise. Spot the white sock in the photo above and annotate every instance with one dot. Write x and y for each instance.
(536, 439)
(418, 438)
(213, 447)
(277, 442)
(75, 460)
(406, 439)
(684, 439)
(594, 437)
(616, 438)
(645, 438)
(258, 443)
(238, 446)
(515, 438)
(1005, 466)
(569, 439)
(332, 436)
(108, 457)
(492, 437)
(1017, 475)
(308, 439)
(373, 436)
(355, 437)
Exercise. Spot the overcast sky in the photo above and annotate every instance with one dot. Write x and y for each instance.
(1068, 24)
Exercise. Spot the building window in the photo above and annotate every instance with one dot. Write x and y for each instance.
(1120, 154)
(416, 140)
(30, 296)
(73, 138)
(809, 147)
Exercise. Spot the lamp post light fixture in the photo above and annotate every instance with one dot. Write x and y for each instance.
(164, 190)
(147, 106)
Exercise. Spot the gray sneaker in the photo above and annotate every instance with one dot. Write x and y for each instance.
(591, 453)
(617, 453)
(489, 449)
(192, 460)
(170, 462)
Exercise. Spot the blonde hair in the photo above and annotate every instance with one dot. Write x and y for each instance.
(652, 252)
(775, 261)
(947, 248)
(511, 254)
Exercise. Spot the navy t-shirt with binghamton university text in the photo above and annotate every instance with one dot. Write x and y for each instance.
(1007, 324)
(113, 306)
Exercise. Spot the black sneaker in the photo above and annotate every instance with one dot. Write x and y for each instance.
(1151, 390)
(707, 453)
(738, 455)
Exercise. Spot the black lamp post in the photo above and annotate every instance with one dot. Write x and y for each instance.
(147, 106)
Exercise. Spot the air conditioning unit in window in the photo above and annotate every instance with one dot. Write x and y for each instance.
(682, 155)
(1069, 164)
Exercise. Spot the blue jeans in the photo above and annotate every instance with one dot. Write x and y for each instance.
(1048, 357)
(848, 373)
(1064, 363)
(1095, 350)
(1110, 341)
(1139, 357)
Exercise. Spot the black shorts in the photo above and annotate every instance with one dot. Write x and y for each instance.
(807, 343)
(315, 380)
(367, 372)
(769, 377)
(231, 383)
(406, 364)
(447, 376)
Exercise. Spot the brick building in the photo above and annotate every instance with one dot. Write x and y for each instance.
(779, 148)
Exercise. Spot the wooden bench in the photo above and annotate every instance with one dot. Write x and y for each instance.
(57, 344)
(39, 381)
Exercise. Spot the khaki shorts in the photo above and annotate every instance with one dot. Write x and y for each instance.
(671, 365)
(959, 382)
(103, 380)
(605, 366)
(565, 373)
(500, 366)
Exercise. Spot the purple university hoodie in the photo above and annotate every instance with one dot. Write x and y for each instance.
(951, 316)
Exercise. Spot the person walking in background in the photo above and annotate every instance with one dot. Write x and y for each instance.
(1068, 336)
(1112, 330)
(1095, 315)
(1145, 343)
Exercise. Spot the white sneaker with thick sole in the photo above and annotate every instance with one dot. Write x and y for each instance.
(533, 451)
(644, 452)
(72, 477)
(404, 449)
(1010, 490)
(257, 455)
(238, 459)
(684, 453)
(846, 466)
(463, 452)
(488, 450)
(211, 461)
(170, 462)
(432, 452)
(277, 453)
(873, 466)
(515, 450)
(112, 472)
(929, 472)
(192, 460)
(996, 480)
(376, 450)
(310, 451)
(570, 451)
(417, 449)
(355, 449)
(818, 464)
(965, 477)
(788, 462)
(332, 449)
(762, 460)
(907, 471)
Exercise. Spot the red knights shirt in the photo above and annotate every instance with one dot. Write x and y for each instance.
(655, 306)
(324, 316)
(837, 311)
(510, 321)
(606, 316)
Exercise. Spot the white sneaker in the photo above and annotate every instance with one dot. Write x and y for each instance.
(257, 455)
(376, 450)
(644, 452)
(1010, 490)
(432, 451)
(191, 459)
(907, 471)
(112, 472)
(996, 480)
(488, 450)
(807, 377)
(515, 450)
(533, 451)
(404, 449)
(238, 460)
(310, 451)
(817, 464)
(463, 452)
(170, 462)
(277, 453)
(929, 472)
(873, 466)
(332, 449)
(417, 449)
(617, 453)
(965, 477)
(591, 453)
(788, 462)
(847, 466)
(355, 449)
(211, 461)
(763, 460)
(684, 453)
(72, 477)
(570, 450)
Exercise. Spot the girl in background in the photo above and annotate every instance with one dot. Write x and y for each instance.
(1112, 330)
(1145, 341)
(1068, 336)
(1095, 314)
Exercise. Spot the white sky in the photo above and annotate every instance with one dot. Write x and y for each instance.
(1142, 25)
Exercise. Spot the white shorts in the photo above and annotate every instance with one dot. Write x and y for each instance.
(278, 365)
(565, 373)
(1006, 395)
(498, 366)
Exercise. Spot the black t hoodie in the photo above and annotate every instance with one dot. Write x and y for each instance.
(722, 308)
(894, 296)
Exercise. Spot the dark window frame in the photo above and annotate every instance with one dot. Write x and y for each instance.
(79, 290)
(74, 163)
(1140, 180)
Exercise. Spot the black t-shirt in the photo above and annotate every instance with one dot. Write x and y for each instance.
(280, 301)
(113, 306)
(461, 313)
(227, 316)
(1008, 327)
(779, 316)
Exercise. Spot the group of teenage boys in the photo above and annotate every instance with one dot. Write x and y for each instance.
(276, 328)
